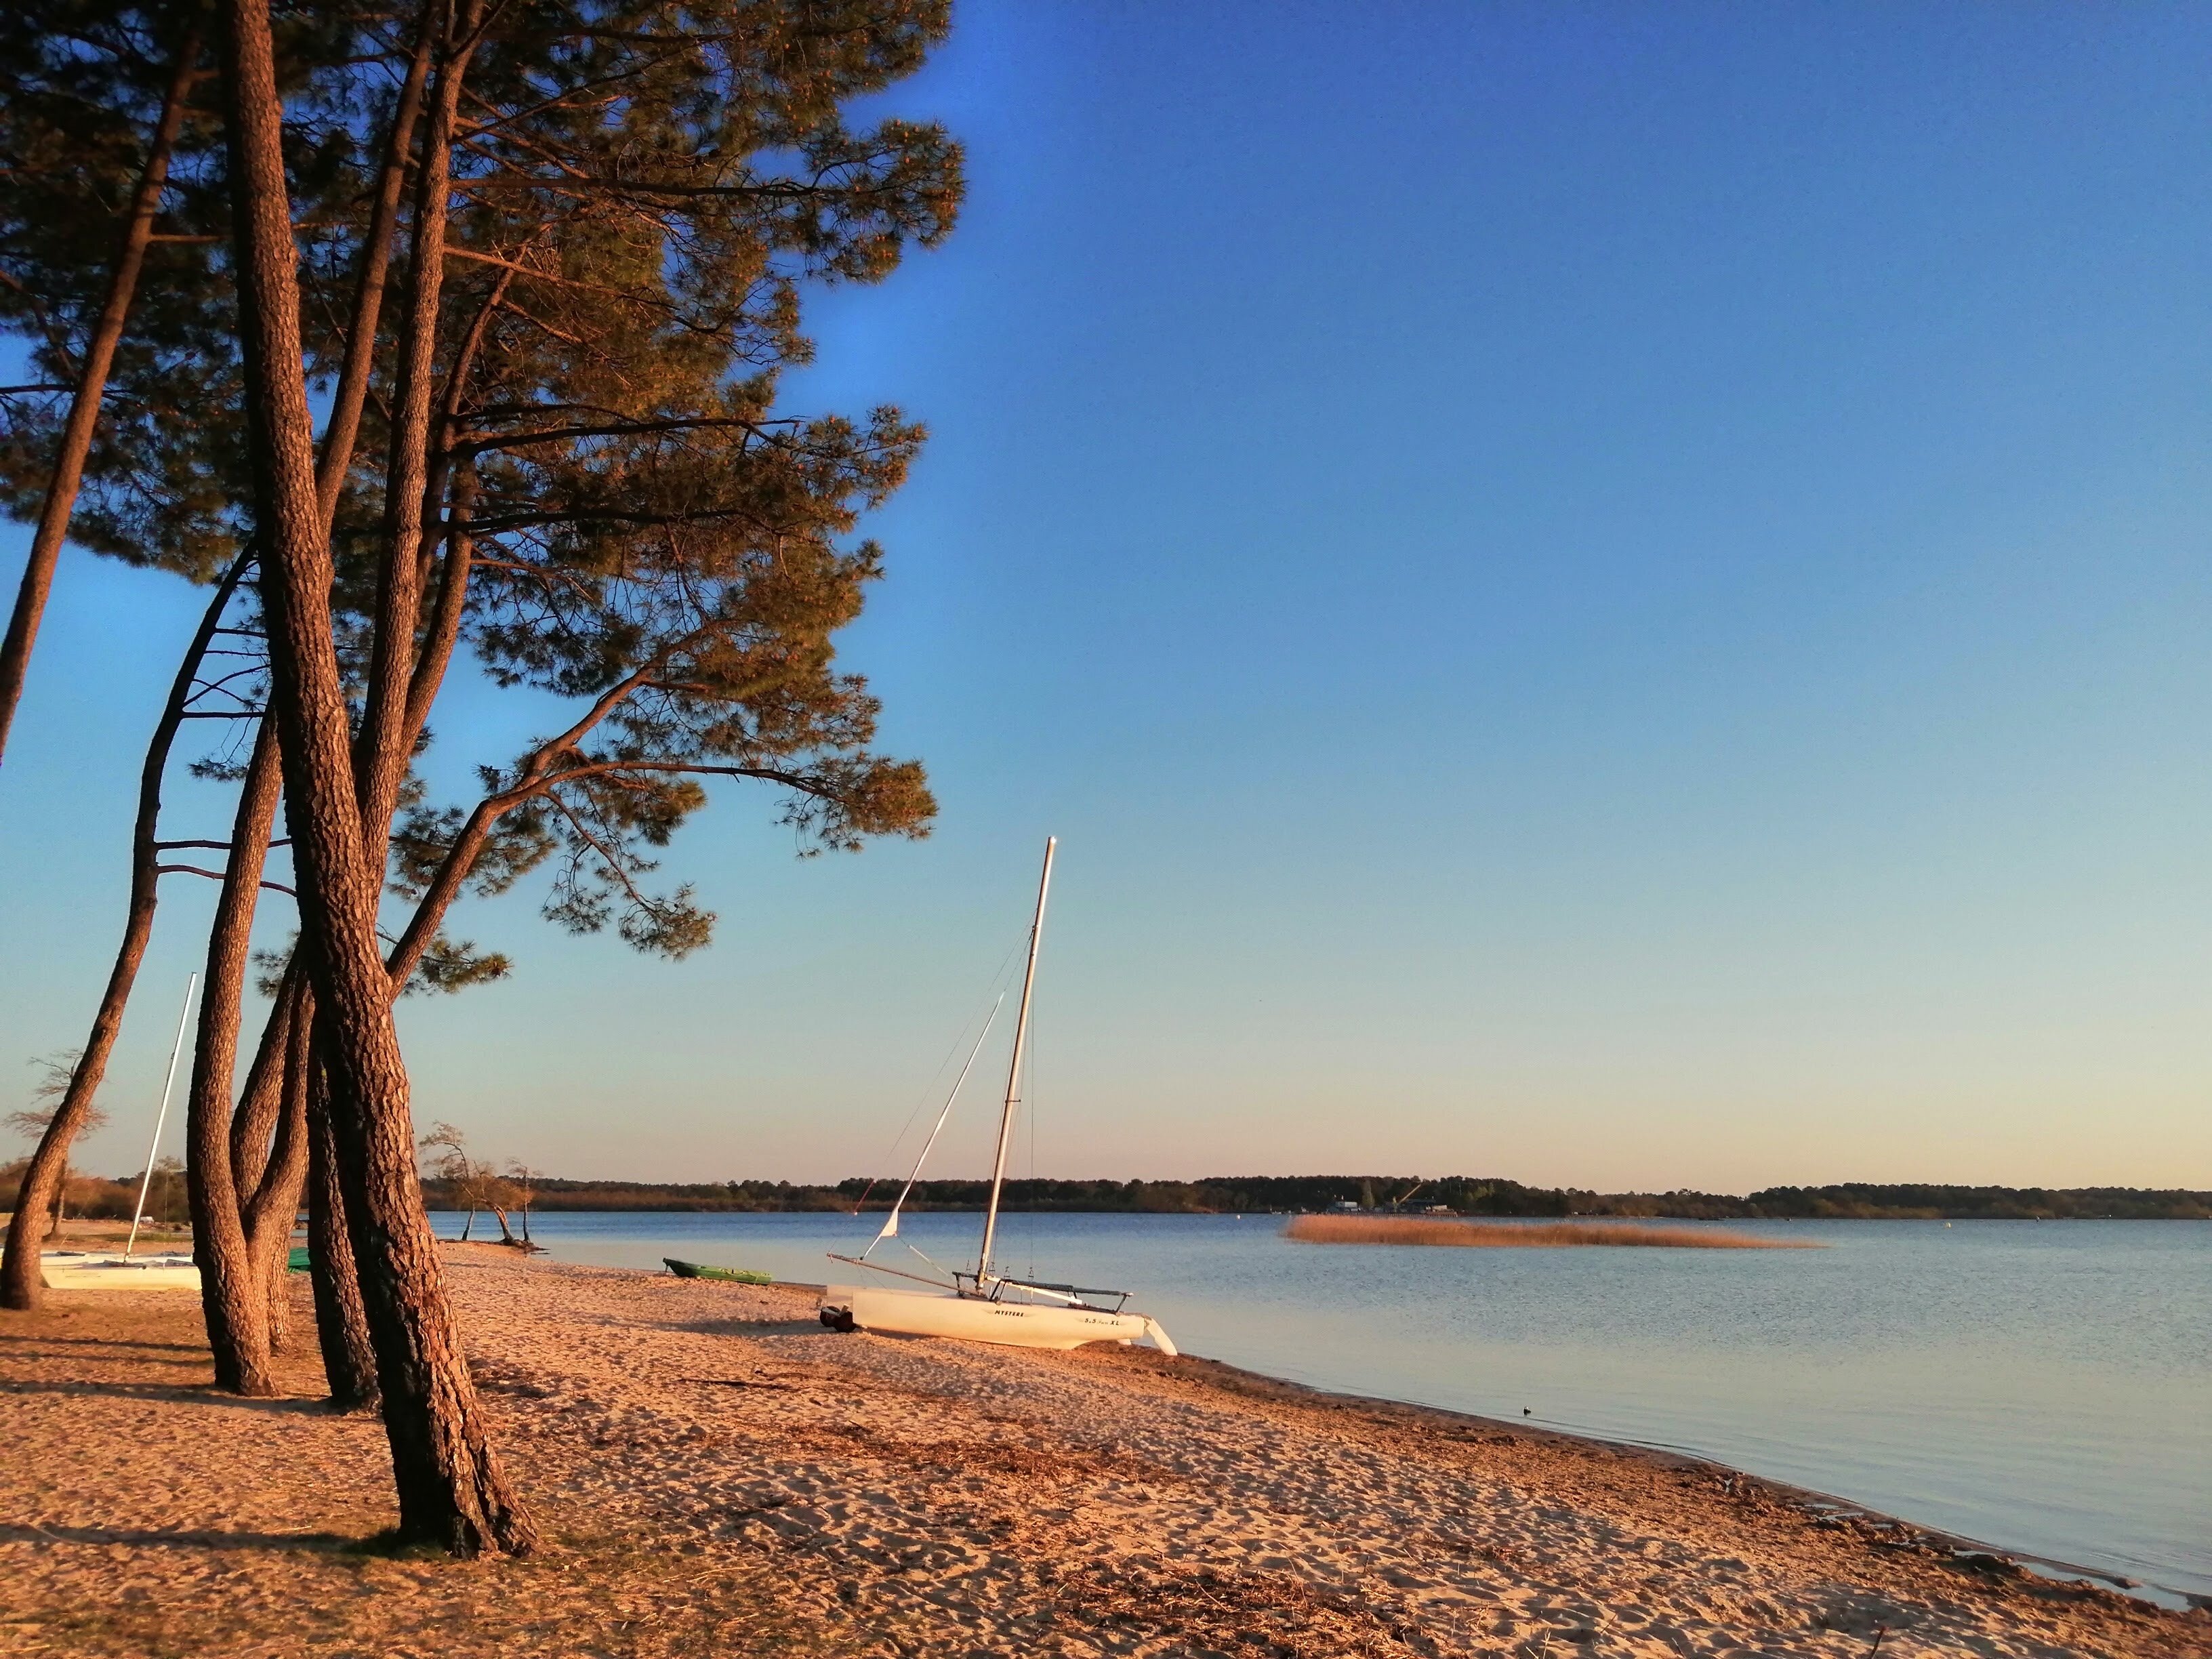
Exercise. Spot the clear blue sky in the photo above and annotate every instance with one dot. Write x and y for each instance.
(1604, 593)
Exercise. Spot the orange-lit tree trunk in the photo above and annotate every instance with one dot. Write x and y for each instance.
(451, 1487)
(261, 1103)
(269, 1183)
(275, 1204)
(92, 384)
(360, 359)
(21, 1282)
(269, 1144)
(232, 1291)
(341, 1321)
(265, 1170)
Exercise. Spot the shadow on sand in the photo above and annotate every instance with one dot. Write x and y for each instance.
(204, 1395)
(107, 1342)
(747, 1327)
(328, 1543)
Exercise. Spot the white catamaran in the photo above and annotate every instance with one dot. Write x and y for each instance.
(104, 1270)
(985, 1305)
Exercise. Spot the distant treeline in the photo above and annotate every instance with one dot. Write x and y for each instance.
(1877, 1200)
(1462, 1194)
(92, 1198)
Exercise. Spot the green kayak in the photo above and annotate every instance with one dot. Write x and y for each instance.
(733, 1275)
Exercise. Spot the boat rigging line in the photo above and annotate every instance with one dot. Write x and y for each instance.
(997, 979)
(890, 1221)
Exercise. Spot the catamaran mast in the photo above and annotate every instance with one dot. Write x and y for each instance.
(139, 1211)
(1014, 1069)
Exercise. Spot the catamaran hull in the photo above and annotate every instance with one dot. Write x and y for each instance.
(1016, 1324)
(72, 1270)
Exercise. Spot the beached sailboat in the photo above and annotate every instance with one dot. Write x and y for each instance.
(106, 1270)
(985, 1305)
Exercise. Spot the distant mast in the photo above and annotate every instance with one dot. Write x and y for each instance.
(1014, 1069)
(138, 1210)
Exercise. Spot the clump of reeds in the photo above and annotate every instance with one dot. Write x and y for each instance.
(1424, 1229)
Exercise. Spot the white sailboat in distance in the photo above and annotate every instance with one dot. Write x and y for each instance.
(987, 1305)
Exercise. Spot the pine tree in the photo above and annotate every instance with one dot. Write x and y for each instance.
(596, 174)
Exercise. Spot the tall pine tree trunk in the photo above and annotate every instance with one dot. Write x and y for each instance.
(232, 1288)
(451, 1487)
(341, 1321)
(261, 1102)
(354, 372)
(274, 1206)
(268, 1147)
(92, 384)
(22, 1284)
(278, 1086)
(386, 743)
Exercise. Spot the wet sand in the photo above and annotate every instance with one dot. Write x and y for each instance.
(717, 1473)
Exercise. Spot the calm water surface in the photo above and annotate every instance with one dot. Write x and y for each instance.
(2045, 1387)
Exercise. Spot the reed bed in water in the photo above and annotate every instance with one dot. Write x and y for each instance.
(1424, 1229)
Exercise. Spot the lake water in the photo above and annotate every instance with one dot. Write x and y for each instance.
(2043, 1388)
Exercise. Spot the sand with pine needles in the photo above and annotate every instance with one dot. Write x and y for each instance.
(717, 1473)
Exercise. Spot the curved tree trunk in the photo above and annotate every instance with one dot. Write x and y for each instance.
(258, 1182)
(274, 1206)
(341, 1321)
(261, 1103)
(22, 1284)
(92, 384)
(273, 1098)
(232, 1288)
(451, 1487)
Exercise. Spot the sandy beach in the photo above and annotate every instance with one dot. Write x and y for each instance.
(719, 1474)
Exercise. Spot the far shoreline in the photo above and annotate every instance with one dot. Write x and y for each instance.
(1487, 1198)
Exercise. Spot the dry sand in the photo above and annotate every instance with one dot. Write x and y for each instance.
(719, 1474)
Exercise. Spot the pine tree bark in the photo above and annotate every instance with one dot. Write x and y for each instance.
(341, 1321)
(277, 1089)
(386, 743)
(21, 1284)
(92, 384)
(274, 1206)
(451, 1487)
(352, 393)
(233, 1286)
(261, 1102)
(261, 1169)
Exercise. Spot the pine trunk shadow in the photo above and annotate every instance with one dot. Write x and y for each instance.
(179, 1538)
